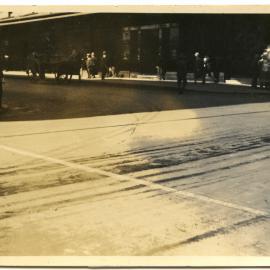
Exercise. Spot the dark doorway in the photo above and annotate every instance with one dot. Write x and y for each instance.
(149, 50)
(134, 50)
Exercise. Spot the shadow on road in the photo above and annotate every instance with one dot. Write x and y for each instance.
(25, 100)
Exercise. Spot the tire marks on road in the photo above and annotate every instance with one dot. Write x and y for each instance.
(212, 233)
(134, 180)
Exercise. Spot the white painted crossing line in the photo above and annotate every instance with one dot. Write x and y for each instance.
(141, 122)
(135, 180)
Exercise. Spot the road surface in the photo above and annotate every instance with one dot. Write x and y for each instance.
(173, 182)
(52, 100)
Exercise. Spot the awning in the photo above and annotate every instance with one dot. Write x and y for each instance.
(38, 18)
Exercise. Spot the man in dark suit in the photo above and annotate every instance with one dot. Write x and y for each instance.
(162, 68)
(255, 70)
(197, 67)
(3, 59)
(103, 65)
(181, 73)
(206, 68)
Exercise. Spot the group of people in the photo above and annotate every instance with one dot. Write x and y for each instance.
(202, 67)
(92, 65)
(206, 66)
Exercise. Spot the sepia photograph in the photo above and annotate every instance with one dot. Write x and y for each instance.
(134, 131)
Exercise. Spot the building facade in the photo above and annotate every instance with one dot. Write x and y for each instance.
(139, 42)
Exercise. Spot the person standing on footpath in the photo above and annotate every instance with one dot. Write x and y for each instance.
(264, 64)
(93, 65)
(216, 64)
(181, 73)
(103, 65)
(87, 64)
(197, 66)
(1, 82)
(255, 70)
(162, 68)
(206, 68)
(3, 59)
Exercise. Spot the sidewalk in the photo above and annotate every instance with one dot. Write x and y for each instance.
(232, 86)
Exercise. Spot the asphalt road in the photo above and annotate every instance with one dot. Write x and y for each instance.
(173, 182)
(51, 100)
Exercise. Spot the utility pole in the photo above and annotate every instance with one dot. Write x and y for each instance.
(1, 92)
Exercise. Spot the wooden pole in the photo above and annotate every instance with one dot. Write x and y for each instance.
(1, 92)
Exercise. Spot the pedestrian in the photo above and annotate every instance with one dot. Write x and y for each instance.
(181, 73)
(197, 66)
(112, 71)
(264, 63)
(3, 60)
(1, 81)
(93, 65)
(255, 70)
(103, 65)
(216, 67)
(87, 64)
(206, 68)
(162, 68)
(83, 63)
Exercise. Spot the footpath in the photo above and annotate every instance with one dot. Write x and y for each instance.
(239, 86)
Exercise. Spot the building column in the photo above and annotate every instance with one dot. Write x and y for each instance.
(139, 44)
(160, 41)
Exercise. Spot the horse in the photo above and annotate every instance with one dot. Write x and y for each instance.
(68, 68)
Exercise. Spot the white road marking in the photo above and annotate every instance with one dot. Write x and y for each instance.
(135, 180)
(132, 124)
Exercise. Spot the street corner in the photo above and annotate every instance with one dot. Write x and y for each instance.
(100, 154)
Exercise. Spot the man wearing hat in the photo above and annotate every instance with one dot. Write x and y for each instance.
(103, 65)
(197, 66)
(181, 73)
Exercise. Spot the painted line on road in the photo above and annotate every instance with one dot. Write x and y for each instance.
(133, 124)
(135, 180)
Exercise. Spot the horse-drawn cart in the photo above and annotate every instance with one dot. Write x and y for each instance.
(56, 64)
